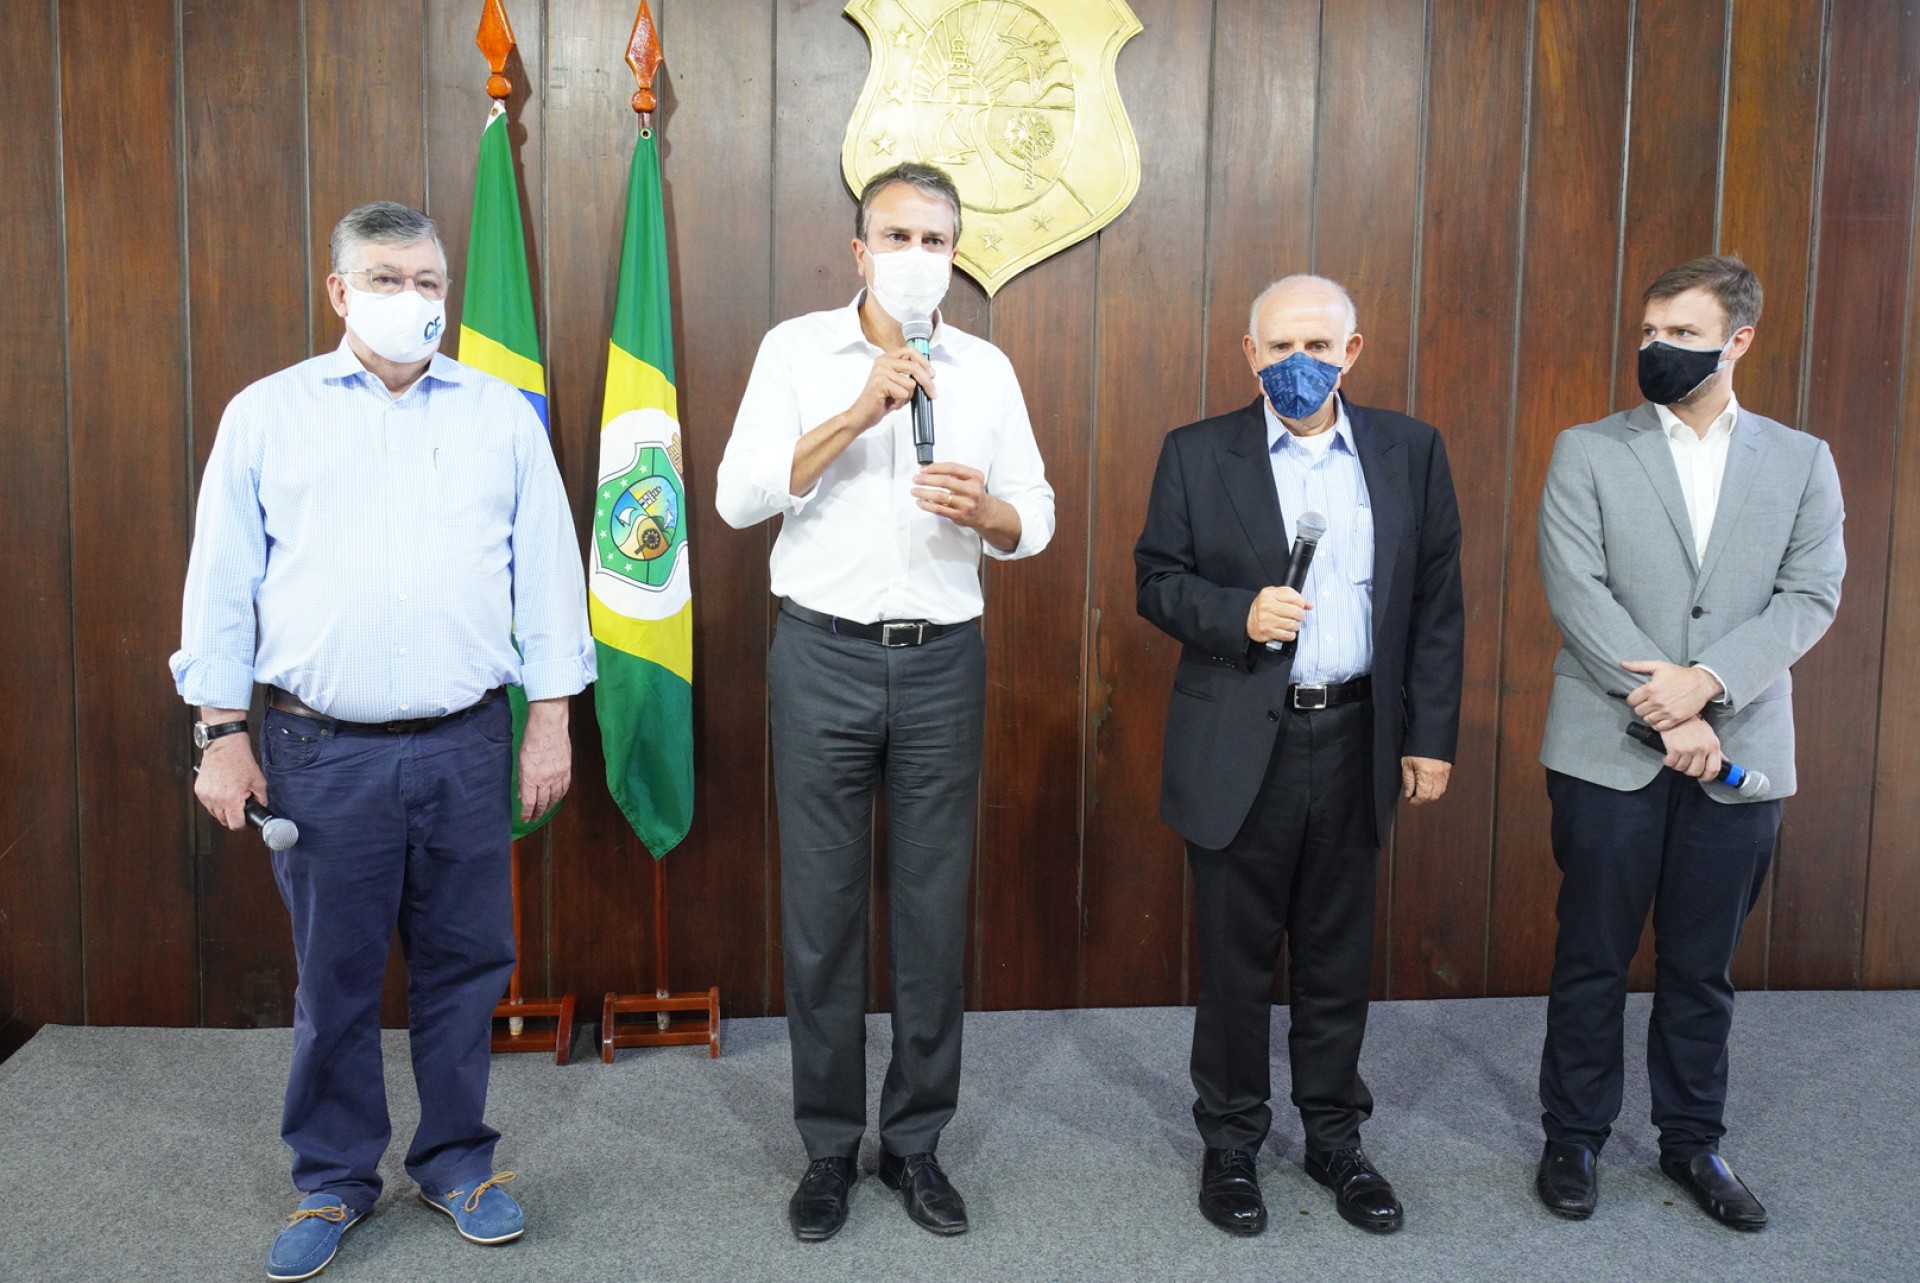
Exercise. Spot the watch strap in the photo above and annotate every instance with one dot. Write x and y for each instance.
(205, 734)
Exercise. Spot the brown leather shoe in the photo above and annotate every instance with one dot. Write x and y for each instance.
(932, 1201)
(1230, 1191)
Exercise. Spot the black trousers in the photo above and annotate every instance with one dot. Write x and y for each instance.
(1699, 864)
(848, 717)
(1301, 868)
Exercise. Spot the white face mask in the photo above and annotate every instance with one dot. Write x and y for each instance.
(910, 282)
(402, 327)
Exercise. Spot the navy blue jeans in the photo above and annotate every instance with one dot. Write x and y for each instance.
(396, 831)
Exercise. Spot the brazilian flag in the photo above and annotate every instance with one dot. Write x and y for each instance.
(638, 591)
(497, 334)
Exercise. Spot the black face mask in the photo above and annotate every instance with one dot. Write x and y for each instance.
(1669, 373)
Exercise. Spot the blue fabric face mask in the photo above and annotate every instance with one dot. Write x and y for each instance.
(1299, 385)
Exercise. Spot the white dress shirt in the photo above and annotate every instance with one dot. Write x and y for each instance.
(1322, 473)
(378, 557)
(1701, 462)
(857, 545)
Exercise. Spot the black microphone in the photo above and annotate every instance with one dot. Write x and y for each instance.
(919, 333)
(1307, 530)
(276, 832)
(1746, 783)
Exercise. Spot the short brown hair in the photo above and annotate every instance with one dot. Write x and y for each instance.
(1724, 277)
(925, 179)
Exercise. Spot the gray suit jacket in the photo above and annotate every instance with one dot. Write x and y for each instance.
(1617, 561)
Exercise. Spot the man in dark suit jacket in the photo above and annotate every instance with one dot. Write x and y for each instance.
(1298, 718)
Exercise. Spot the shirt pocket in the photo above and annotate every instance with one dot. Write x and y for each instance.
(1359, 545)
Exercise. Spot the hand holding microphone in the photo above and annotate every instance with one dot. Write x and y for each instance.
(279, 834)
(919, 335)
(1308, 530)
(1750, 784)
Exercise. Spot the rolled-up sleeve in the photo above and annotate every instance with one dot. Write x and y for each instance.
(756, 468)
(214, 666)
(549, 585)
(1018, 477)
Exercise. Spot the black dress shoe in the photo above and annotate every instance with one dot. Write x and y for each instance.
(1721, 1194)
(1568, 1181)
(819, 1206)
(1230, 1191)
(1363, 1195)
(932, 1201)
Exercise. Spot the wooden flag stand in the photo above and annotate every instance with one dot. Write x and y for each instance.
(644, 57)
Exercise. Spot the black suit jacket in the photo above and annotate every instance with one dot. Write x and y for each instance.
(1214, 539)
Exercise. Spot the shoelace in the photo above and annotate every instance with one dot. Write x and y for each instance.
(473, 1200)
(336, 1214)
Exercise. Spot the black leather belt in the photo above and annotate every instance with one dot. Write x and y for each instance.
(1308, 699)
(289, 703)
(891, 633)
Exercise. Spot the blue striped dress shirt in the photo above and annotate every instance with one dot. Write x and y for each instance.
(1336, 640)
(377, 557)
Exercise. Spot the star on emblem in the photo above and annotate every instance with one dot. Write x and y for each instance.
(895, 92)
(903, 37)
(883, 145)
(1042, 223)
(990, 240)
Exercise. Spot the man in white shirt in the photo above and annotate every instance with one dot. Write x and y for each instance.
(878, 672)
(1691, 553)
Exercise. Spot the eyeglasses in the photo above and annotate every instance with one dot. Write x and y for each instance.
(431, 286)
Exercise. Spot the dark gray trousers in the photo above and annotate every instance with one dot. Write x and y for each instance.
(847, 717)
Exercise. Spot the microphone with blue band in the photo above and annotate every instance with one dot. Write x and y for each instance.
(1752, 784)
(1308, 529)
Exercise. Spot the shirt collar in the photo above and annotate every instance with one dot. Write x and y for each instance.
(847, 333)
(341, 365)
(1722, 425)
(1342, 427)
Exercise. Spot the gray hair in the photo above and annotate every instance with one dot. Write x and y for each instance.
(381, 222)
(928, 180)
(1301, 278)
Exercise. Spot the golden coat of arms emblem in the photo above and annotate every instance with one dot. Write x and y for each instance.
(1017, 100)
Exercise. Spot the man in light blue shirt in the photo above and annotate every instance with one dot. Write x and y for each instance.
(376, 527)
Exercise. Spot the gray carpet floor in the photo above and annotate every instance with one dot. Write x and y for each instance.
(154, 1154)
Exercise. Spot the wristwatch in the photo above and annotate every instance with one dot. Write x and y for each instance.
(204, 734)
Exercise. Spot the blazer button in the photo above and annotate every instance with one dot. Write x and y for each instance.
(1698, 611)
(1273, 715)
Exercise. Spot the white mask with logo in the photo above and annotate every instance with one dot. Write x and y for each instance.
(403, 327)
(910, 282)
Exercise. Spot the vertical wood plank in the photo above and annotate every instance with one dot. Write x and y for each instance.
(1565, 356)
(122, 183)
(1469, 262)
(717, 127)
(40, 960)
(249, 291)
(1866, 208)
(1766, 219)
(1150, 312)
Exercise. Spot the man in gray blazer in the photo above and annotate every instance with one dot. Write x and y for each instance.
(1691, 552)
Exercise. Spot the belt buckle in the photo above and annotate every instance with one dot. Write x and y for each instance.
(1300, 694)
(889, 629)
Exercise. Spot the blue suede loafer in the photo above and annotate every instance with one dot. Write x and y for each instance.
(483, 1214)
(303, 1248)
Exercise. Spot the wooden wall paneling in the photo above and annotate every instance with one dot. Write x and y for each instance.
(1565, 361)
(717, 127)
(1026, 930)
(1373, 63)
(1150, 315)
(1476, 124)
(1260, 199)
(1672, 197)
(1859, 307)
(602, 880)
(118, 87)
(1890, 948)
(819, 65)
(246, 221)
(1766, 218)
(40, 958)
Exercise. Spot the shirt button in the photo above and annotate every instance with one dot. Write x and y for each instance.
(1273, 715)
(405, 707)
(400, 596)
(402, 650)
(1697, 612)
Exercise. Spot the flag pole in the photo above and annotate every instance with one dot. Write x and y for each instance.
(495, 39)
(644, 58)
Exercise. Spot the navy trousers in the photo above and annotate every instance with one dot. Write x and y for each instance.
(410, 832)
(1699, 864)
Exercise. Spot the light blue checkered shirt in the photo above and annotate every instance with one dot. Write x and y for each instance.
(387, 551)
(1336, 640)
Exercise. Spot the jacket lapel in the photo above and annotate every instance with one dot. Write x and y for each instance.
(1649, 445)
(1384, 464)
(1746, 453)
(1247, 472)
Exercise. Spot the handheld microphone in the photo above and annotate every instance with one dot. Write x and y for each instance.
(279, 834)
(919, 334)
(1746, 783)
(1307, 531)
